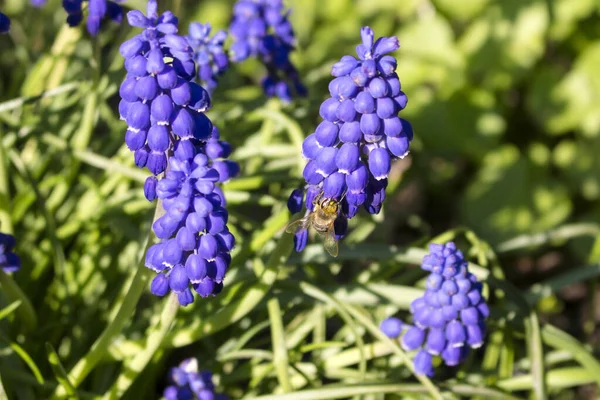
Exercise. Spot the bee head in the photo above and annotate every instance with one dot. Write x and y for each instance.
(330, 206)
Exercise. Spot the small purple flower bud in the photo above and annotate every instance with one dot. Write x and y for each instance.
(475, 334)
(394, 85)
(185, 298)
(161, 108)
(300, 239)
(423, 363)
(347, 158)
(195, 268)
(138, 116)
(344, 66)
(378, 87)
(346, 88)
(334, 185)
(167, 78)
(474, 297)
(379, 163)
(460, 301)
(295, 201)
(326, 134)
(386, 45)
(146, 88)
(346, 112)
(386, 108)
(127, 89)
(178, 280)
(350, 132)
(413, 338)
(136, 66)
(434, 282)
(450, 312)
(157, 162)
(456, 333)
(208, 247)
(370, 124)
(328, 109)
(150, 188)
(364, 103)
(205, 287)
(326, 161)
(359, 77)
(436, 341)
(135, 138)
(158, 138)
(311, 147)
(140, 157)
(483, 309)
(452, 355)
(398, 146)
(469, 316)
(160, 285)
(310, 174)
(391, 327)
(387, 65)
(358, 179)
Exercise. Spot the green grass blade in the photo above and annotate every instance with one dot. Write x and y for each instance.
(280, 354)
(59, 372)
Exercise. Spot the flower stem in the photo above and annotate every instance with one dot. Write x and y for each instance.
(155, 337)
(100, 347)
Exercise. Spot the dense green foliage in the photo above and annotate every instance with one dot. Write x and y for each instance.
(504, 101)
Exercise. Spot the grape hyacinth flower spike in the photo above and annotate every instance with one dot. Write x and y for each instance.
(9, 261)
(350, 153)
(449, 319)
(170, 134)
(208, 53)
(4, 23)
(262, 29)
(97, 11)
(189, 383)
(159, 101)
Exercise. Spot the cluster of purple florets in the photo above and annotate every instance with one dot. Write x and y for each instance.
(97, 11)
(187, 383)
(209, 53)
(4, 23)
(9, 261)
(350, 153)
(261, 29)
(170, 134)
(449, 318)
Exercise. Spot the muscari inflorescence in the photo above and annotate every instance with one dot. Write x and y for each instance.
(170, 134)
(209, 53)
(9, 260)
(188, 383)
(349, 154)
(261, 28)
(97, 11)
(449, 318)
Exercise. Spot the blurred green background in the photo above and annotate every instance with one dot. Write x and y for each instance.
(504, 97)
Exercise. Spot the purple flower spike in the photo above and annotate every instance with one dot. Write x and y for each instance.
(450, 316)
(9, 261)
(262, 29)
(208, 53)
(173, 138)
(97, 11)
(361, 134)
(188, 382)
(392, 327)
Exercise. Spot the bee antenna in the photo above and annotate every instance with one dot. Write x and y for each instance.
(343, 195)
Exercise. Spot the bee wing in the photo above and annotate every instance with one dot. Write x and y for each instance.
(331, 244)
(294, 226)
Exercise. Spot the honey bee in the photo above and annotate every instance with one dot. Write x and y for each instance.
(322, 217)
